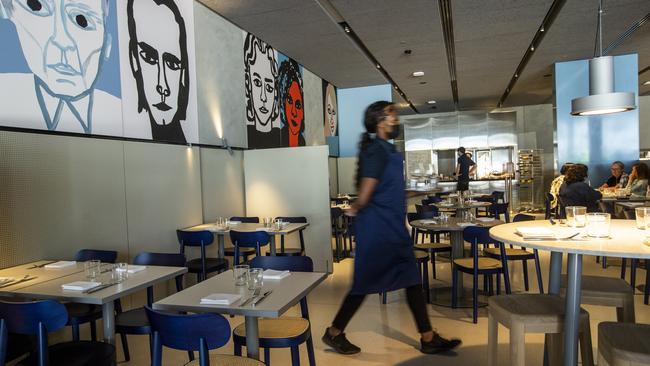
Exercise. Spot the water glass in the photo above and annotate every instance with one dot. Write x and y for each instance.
(220, 222)
(240, 274)
(121, 272)
(255, 278)
(576, 216)
(641, 213)
(278, 224)
(92, 269)
(598, 224)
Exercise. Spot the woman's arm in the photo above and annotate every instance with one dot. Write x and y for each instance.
(366, 189)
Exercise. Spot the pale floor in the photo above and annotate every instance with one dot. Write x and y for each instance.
(387, 334)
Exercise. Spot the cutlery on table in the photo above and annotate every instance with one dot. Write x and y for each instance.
(261, 298)
(555, 238)
(15, 282)
(99, 288)
(255, 294)
(41, 265)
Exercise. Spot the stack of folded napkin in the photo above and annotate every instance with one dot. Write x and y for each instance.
(534, 232)
(132, 269)
(271, 274)
(80, 285)
(60, 264)
(220, 299)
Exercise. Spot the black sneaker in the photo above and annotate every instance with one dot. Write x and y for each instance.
(438, 345)
(340, 343)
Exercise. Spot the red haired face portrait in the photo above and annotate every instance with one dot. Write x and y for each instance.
(293, 105)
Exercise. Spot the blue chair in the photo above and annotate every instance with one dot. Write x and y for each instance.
(433, 246)
(293, 251)
(520, 254)
(287, 332)
(248, 239)
(38, 319)
(196, 332)
(476, 266)
(498, 209)
(87, 313)
(246, 219)
(243, 252)
(204, 265)
(338, 231)
(135, 321)
(426, 208)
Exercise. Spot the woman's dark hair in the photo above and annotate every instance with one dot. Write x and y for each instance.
(576, 173)
(288, 74)
(642, 171)
(374, 114)
(565, 167)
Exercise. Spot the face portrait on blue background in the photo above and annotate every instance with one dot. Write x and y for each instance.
(63, 41)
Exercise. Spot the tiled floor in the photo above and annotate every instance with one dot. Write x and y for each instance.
(387, 334)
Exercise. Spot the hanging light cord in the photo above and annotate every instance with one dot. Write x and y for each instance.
(598, 44)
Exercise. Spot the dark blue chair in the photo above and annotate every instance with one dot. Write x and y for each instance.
(431, 200)
(293, 330)
(246, 219)
(87, 313)
(498, 195)
(338, 231)
(293, 251)
(434, 245)
(135, 321)
(243, 252)
(196, 332)
(38, 319)
(204, 265)
(498, 209)
(426, 208)
(248, 239)
(476, 266)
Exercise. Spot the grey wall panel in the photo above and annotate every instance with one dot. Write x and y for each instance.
(644, 122)
(347, 169)
(314, 114)
(60, 194)
(222, 177)
(334, 176)
(220, 76)
(163, 190)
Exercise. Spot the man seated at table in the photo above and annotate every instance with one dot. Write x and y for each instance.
(576, 192)
(618, 179)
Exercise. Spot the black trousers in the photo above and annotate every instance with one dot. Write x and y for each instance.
(414, 296)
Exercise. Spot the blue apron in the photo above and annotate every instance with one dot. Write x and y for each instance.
(384, 259)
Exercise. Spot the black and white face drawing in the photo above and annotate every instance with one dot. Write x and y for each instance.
(330, 108)
(159, 62)
(261, 78)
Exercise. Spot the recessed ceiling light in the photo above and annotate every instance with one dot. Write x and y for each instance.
(647, 83)
(417, 74)
(532, 48)
(431, 102)
(378, 66)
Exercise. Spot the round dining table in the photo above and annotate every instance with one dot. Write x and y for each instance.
(624, 241)
(455, 226)
(459, 208)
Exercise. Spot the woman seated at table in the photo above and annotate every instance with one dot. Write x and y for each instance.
(576, 192)
(638, 182)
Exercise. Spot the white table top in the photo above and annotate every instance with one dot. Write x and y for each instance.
(212, 227)
(625, 239)
(286, 293)
(136, 281)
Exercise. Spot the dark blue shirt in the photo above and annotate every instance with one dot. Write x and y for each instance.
(464, 162)
(373, 160)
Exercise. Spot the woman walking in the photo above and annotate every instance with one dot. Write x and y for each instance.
(384, 259)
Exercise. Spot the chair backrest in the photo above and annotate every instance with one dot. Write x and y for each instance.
(336, 212)
(246, 219)
(194, 238)
(426, 215)
(499, 209)
(477, 235)
(160, 259)
(195, 332)
(293, 219)
(106, 256)
(498, 195)
(429, 200)
(289, 263)
(426, 208)
(523, 217)
(249, 239)
(27, 317)
(548, 211)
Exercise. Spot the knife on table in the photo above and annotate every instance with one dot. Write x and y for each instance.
(15, 282)
(99, 288)
(255, 294)
(41, 265)
(261, 298)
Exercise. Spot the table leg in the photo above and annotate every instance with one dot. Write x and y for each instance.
(108, 315)
(272, 243)
(555, 273)
(457, 251)
(252, 337)
(572, 312)
(222, 245)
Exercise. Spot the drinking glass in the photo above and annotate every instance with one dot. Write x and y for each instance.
(641, 214)
(598, 224)
(576, 216)
(220, 222)
(255, 279)
(278, 224)
(647, 232)
(240, 274)
(121, 272)
(92, 269)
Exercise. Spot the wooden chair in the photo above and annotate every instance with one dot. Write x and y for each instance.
(606, 291)
(623, 344)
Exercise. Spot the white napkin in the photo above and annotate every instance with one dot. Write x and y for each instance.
(485, 219)
(235, 222)
(271, 274)
(220, 299)
(264, 229)
(466, 224)
(536, 232)
(80, 285)
(132, 269)
(60, 264)
(428, 221)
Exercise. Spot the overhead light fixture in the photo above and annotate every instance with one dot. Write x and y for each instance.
(378, 66)
(431, 102)
(602, 98)
(418, 74)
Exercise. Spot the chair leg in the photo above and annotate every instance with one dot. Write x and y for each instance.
(190, 355)
(493, 340)
(604, 262)
(538, 269)
(586, 350)
(433, 264)
(454, 286)
(267, 356)
(384, 297)
(425, 281)
(646, 292)
(490, 291)
(525, 266)
(125, 347)
(310, 351)
(93, 331)
(237, 348)
(623, 267)
(295, 356)
(517, 345)
(633, 264)
(475, 297)
(498, 284)
(75, 332)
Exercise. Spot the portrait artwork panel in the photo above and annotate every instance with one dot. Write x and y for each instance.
(292, 103)
(60, 67)
(331, 117)
(158, 70)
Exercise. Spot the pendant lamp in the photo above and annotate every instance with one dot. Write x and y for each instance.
(602, 99)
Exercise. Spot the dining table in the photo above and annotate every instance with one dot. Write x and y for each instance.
(46, 284)
(285, 293)
(624, 241)
(459, 208)
(221, 232)
(454, 226)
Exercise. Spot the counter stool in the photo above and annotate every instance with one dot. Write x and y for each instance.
(623, 344)
(422, 259)
(532, 313)
(606, 291)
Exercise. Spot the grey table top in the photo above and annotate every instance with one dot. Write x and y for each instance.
(286, 293)
(465, 206)
(288, 229)
(51, 289)
(452, 224)
(41, 274)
